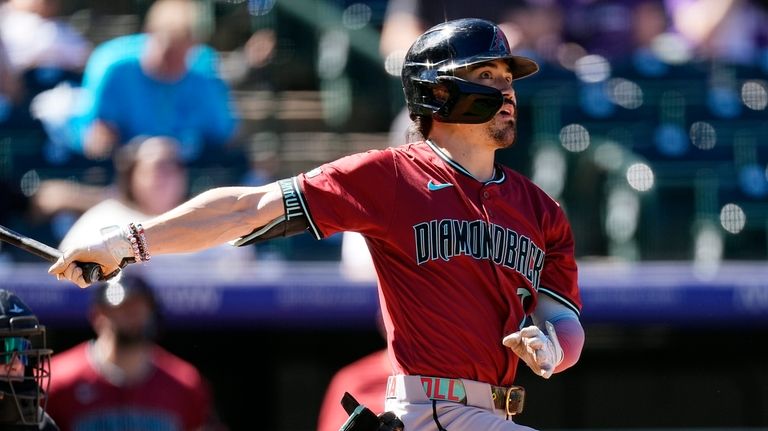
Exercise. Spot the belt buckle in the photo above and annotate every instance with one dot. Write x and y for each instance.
(514, 400)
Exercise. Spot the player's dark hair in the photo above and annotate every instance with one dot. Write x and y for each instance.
(419, 129)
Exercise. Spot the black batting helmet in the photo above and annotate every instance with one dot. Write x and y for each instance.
(431, 61)
(25, 363)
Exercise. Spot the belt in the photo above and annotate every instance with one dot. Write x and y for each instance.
(509, 399)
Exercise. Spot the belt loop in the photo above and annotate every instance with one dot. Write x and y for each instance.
(478, 394)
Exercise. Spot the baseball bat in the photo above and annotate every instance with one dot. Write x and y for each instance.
(91, 271)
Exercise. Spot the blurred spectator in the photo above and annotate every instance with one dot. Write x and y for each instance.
(38, 51)
(732, 31)
(36, 39)
(649, 20)
(263, 165)
(601, 27)
(10, 87)
(59, 195)
(156, 93)
(532, 27)
(123, 380)
(535, 30)
(201, 58)
(150, 179)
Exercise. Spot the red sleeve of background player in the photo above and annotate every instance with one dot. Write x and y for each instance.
(559, 277)
(355, 193)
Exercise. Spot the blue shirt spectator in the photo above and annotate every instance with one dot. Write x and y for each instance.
(201, 58)
(194, 109)
(158, 83)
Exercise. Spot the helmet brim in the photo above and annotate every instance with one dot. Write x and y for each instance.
(520, 67)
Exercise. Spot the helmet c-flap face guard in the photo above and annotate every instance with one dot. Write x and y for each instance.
(463, 101)
(429, 84)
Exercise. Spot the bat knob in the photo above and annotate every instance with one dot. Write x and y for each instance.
(91, 272)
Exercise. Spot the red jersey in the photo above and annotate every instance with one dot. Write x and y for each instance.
(460, 262)
(172, 397)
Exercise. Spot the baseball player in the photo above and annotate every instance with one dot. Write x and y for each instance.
(25, 371)
(475, 263)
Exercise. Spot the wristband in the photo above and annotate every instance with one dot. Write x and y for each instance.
(138, 242)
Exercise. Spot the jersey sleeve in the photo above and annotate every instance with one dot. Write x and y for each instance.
(355, 193)
(559, 277)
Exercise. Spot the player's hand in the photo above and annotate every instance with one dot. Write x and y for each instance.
(107, 252)
(540, 352)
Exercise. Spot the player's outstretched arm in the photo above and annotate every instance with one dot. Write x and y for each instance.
(211, 218)
(214, 217)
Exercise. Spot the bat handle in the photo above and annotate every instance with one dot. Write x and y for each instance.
(92, 272)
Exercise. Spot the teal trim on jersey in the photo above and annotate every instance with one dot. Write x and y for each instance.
(303, 203)
(502, 176)
(497, 172)
(560, 298)
(447, 159)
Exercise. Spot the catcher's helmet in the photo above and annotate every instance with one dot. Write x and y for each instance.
(25, 363)
(436, 54)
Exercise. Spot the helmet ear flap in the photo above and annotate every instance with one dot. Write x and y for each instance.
(427, 96)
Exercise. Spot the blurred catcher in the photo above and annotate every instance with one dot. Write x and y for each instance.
(24, 367)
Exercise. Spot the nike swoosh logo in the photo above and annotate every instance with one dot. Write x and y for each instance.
(432, 186)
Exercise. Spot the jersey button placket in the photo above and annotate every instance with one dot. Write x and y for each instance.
(486, 197)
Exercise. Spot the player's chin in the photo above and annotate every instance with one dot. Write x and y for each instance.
(504, 135)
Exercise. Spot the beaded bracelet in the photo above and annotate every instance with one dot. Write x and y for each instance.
(138, 242)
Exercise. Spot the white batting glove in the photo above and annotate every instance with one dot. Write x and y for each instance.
(108, 252)
(540, 352)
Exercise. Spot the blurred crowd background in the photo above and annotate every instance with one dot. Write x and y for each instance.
(648, 122)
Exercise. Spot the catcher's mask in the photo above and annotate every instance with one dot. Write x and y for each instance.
(24, 363)
(431, 62)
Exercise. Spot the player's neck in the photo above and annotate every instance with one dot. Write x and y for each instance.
(468, 151)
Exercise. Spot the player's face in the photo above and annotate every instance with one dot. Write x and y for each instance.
(129, 321)
(170, 52)
(12, 361)
(159, 181)
(501, 129)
